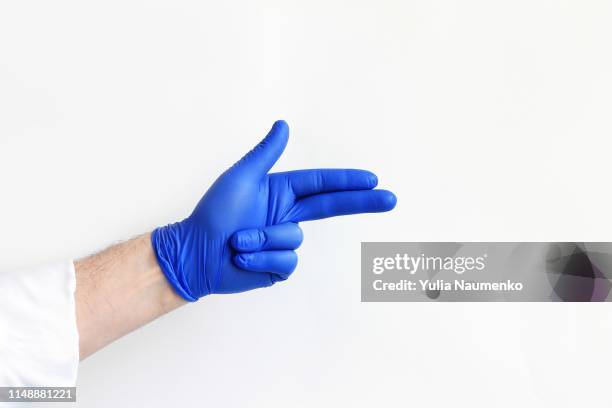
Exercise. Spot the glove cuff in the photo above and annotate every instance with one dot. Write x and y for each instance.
(166, 245)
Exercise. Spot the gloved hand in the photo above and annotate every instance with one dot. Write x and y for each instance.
(243, 232)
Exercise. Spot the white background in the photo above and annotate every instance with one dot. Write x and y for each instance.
(489, 119)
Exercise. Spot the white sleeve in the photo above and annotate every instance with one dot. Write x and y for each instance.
(39, 341)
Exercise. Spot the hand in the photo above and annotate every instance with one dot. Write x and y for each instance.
(243, 232)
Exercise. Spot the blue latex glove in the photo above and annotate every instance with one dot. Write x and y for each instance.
(243, 232)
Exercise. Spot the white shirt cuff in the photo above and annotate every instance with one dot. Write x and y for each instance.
(39, 341)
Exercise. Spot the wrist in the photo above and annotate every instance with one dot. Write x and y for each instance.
(154, 283)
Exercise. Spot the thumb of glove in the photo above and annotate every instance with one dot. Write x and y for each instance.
(262, 157)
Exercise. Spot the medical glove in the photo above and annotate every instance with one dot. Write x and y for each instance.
(243, 232)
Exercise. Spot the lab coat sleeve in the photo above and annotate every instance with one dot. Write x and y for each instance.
(39, 341)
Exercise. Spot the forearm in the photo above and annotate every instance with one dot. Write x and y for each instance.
(119, 290)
